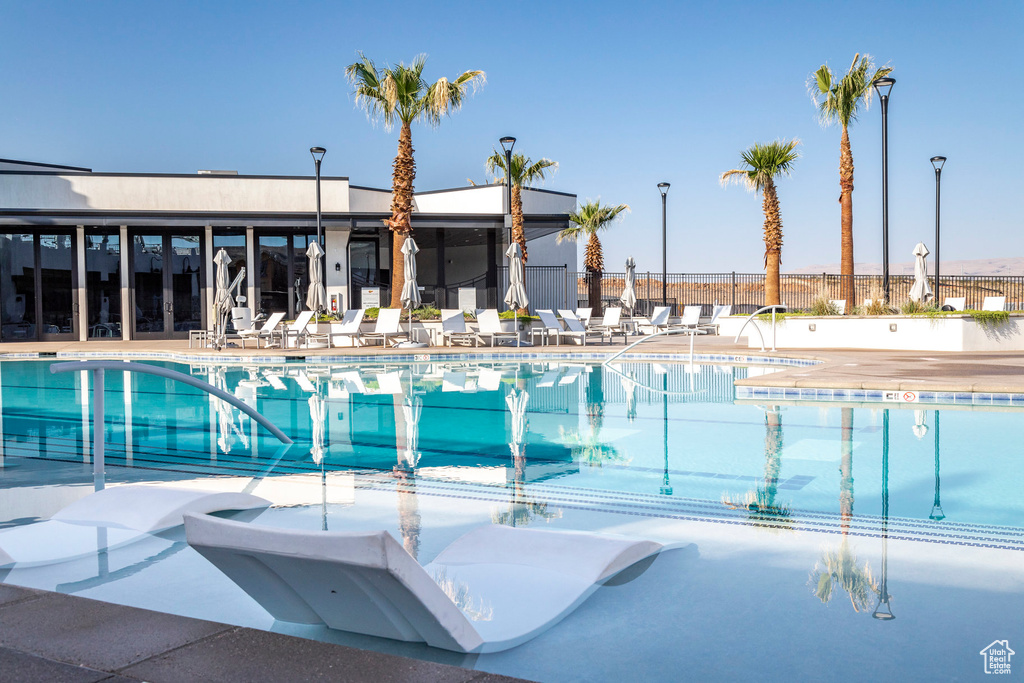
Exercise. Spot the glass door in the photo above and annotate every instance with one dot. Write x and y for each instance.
(363, 268)
(37, 287)
(58, 314)
(168, 284)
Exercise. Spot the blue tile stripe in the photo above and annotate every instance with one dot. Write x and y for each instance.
(981, 398)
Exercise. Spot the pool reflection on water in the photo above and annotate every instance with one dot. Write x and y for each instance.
(810, 516)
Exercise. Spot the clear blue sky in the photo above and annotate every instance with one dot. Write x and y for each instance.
(622, 94)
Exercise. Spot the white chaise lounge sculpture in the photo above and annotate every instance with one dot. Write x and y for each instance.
(491, 589)
(125, 513)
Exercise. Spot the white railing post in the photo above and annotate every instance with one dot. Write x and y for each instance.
(98, 429)
(98, 366)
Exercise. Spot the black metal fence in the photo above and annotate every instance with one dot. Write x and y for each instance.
(745, 291)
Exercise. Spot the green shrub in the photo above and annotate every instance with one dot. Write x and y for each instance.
(912, 307)
(823, 306)
(511, 315)
(989, 318)
(371, 313)
(878, 307)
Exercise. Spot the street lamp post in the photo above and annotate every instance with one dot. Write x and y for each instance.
(663, 188)
(318, 156)
(883, 86)
(507, 143)
(937, 163)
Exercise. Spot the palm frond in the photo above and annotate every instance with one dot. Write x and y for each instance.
(765, 162)
(839, 99)
(524, 172)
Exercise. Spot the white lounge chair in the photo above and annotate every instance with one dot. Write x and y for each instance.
(490, 326)
(584, 315)
(658, 320)
(611, 324)
(126, 513)
(840, 305)
(266, 332)
(348, 328)
(691, 317)
(389, 321)
(717, 313)
(957, 303)
(299, 330)
(994, 303)
(549, 326)
(575, 328)
(492, 589)
(453, 328)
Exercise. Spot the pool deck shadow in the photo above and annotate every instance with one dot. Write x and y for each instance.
(48, 637)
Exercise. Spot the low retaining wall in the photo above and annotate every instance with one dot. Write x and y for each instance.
(889, 332)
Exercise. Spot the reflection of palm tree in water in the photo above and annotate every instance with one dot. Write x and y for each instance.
(760, 503)
(838, 566)
(589, 450)
(405, 489)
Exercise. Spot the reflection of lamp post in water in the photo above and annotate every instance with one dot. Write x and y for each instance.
(937, 514)
(666, 486)
(883, 610)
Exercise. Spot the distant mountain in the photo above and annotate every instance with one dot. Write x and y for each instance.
(990, 266)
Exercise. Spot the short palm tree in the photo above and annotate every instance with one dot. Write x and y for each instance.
(587, 220)
(399, 93)
(764, 163)
(525, 172)
(838, 100)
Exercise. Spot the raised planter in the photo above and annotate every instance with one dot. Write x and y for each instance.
(887, 332)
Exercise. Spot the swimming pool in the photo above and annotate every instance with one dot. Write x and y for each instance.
(790, 504)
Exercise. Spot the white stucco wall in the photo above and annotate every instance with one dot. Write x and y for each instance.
(537, 202)
(471, 200)
(911, 334)
(545, 251)
(200, 193)
(363, 200)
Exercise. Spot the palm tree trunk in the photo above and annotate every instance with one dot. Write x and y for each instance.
(847, 285)
(772, 244)
(518, 234)
(401, 210)
(593, 260)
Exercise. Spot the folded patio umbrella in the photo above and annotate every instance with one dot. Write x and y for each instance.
(316, 297)
(921, 291)
(628, 297)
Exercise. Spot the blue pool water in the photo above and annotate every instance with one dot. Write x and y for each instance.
(778, 497)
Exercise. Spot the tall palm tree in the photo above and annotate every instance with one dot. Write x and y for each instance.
(525, 172)
(764, 163)
(838, 100)
(400, 93)
(587, 220)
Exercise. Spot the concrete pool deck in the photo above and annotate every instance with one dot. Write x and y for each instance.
(55, 637)
(838, 368)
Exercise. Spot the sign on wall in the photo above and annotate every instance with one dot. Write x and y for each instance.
(371, 297)
(467, 299)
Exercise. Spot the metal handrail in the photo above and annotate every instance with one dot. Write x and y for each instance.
(98, 415)
(692, 331)
(774, 308)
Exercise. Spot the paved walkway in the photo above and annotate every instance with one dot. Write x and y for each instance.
(48, 637)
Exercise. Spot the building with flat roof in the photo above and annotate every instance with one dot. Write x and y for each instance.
(87, 255)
